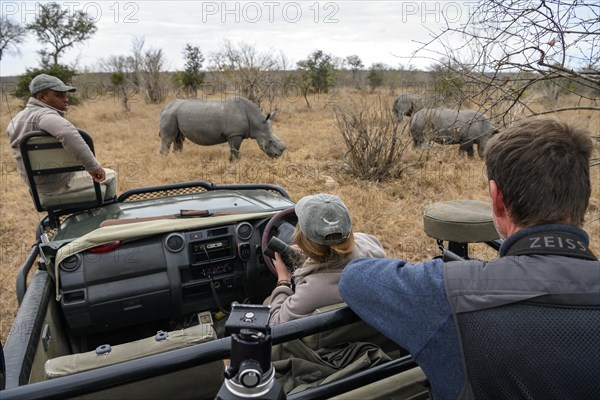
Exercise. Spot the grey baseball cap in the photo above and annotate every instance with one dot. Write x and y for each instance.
(324, 218)
(43, 81)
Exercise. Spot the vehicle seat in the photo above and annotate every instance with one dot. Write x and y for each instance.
(200, 382)
(358, 331)
(460, 221)
(43, 154)
(409, 384)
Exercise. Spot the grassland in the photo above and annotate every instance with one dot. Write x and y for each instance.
(314, 162)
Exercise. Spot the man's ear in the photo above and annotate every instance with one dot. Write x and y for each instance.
(498, 206)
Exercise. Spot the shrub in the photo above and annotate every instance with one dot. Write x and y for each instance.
(371, 134)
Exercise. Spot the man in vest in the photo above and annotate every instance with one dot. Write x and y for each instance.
(526, 325)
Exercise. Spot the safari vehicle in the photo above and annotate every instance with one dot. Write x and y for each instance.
(129, 298)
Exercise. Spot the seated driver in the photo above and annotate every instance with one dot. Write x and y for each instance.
(45, 111)
(324, 234)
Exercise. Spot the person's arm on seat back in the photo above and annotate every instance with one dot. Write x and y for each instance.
(71, 140)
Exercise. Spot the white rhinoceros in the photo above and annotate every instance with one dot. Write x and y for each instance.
(447, 126)
(405, 105)
(210, 122)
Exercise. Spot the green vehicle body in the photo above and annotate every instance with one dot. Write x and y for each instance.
(111, 282)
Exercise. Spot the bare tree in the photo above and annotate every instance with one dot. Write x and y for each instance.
(11, 35)
(152, 66)
(122, 72)
(250, 71)
(146, 71)
(505, 50)
(284, 62)
(136, 59)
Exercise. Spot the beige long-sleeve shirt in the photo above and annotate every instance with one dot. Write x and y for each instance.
(320, 288)
(38, 115)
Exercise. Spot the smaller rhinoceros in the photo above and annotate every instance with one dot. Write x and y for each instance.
(409, 103)
(210, 122)
(446, 126)
(405, 105)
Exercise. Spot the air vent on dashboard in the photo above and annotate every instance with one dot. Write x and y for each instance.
(175, 242)
(244, 230)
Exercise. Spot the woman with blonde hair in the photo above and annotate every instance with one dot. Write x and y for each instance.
(324, 235)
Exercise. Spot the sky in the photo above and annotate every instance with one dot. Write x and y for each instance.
(377, 31)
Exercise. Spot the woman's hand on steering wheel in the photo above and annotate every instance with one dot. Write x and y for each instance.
(271, 227)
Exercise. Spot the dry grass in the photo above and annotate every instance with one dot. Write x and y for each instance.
(129, 142)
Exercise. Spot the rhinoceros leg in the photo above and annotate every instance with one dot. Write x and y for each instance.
(418, 138)
(468, 148)
(169, 128)
(234, 147)
(165, 145)
(169, 131)
(176, 140)
(480, 149)
(178, 143)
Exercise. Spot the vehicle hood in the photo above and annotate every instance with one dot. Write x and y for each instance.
(216, 202)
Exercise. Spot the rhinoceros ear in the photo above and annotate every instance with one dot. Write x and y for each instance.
(271, 115)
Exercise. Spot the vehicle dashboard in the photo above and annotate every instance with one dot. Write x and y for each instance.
(128, 289)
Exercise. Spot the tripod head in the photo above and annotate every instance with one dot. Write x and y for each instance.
(250, 373)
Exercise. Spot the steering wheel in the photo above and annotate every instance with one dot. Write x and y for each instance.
(273, 228)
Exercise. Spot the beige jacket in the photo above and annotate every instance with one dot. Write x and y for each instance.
(320, 288)
(38, 115)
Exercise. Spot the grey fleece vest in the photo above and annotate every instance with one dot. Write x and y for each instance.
(529, 322)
